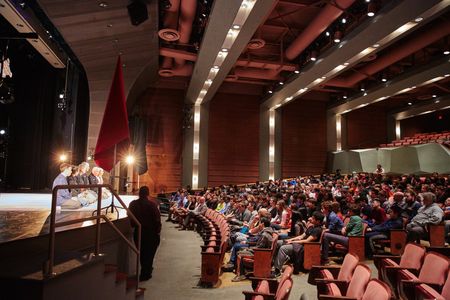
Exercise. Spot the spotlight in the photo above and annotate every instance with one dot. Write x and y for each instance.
(281, 82)
(327, 33)
(313, 56)
(446, 52)
(63, 157)
(437, 101)
(2, 131)
(434, 96)
(371, 10)
(61, 96)
(409, 103)
(235, 26)
(418, 19)
(270, 91)
(344, 97)
(103, 4)
(296, 71)
(344, 20)
(224, 50)
(384, 79)
(337, 36)
(129, 159)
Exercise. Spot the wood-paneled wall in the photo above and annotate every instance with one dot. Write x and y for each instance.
(304, 138)
(434, 122)
(233, 137)
(366, 127)
(164, 109)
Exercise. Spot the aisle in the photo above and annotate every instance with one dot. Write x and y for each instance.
(177, 270)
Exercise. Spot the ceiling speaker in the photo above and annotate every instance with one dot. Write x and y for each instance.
(137, 10)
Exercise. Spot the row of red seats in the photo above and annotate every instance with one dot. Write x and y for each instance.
(414, 275)
(420, 138)
(216, 232)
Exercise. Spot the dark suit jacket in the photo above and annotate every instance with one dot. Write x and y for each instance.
(93, 179)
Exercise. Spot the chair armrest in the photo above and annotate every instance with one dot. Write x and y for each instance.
(330, 267)
(329, 297)
(204, 247)
(211, 253)
(250, 294)
(414, 283)
(262, 250)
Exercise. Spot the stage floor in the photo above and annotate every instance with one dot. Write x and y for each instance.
(25, 215)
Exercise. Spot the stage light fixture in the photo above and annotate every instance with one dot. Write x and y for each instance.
(129, 159)
(297, 72)
(446, 52)
(63, 157)
(371, 10)
(313, 56)
(409, 103)
(2, 131)
(337, 36)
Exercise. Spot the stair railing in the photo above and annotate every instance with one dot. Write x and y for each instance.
(49, 265)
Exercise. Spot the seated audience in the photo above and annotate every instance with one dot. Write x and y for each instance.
(293, 249)
(429, 213)
(63, 197)
(353, 228)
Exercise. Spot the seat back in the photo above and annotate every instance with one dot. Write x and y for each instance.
(287, 273)
(284, 291)
(359, 281)
(348, 266)
(446, 289)
(413, 256)
(377, 290)
(434, 269)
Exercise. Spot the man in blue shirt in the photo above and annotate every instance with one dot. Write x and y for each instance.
(382, 231)
(63, 196)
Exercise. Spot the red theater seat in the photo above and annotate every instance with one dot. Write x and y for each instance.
(356, 287)
(433, 273)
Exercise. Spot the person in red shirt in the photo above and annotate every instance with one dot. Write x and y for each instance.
(378, 213)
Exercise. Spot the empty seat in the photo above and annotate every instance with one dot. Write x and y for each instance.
(377, 290)
(355, 289)
(388, 266)
(434, 271)
(340, 274)
(424, 291)
(282, 293)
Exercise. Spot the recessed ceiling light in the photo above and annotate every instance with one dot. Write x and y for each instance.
(270, 92)
(224, 50)
(103, 4)
(446, 75)
(296, 71)
(281, 82)
(365, 94)
(346, 64)
(446, 52)
(384, 79)
(344, 20)
(344, 97)
(216, 67)
(327, 33)
(434, 96)
(437, 101)
(376, 45)
(363, 89)
(409, 103)
(109, 25)
(324, 77)
(419, 19)
(235, 26)
(209, 81)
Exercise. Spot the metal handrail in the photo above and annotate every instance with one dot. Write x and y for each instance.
(48, 272)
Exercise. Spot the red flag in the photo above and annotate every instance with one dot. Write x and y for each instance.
(114, 130)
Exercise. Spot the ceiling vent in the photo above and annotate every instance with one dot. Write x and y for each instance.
(254, 44)
(170, 35)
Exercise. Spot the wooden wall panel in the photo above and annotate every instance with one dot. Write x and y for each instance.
(164, 109)
(233, 150)
(433, 122)
(366, 127)
(304, 144)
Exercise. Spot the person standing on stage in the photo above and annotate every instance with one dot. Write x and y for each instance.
(147, 213)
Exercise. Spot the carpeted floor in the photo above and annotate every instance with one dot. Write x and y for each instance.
(177, 271)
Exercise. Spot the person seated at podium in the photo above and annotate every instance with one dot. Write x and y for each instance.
(63, 197)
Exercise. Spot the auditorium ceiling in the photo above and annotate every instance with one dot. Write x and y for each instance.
(279, 42)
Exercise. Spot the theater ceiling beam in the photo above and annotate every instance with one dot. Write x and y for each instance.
(421, 76)
(426, 108)
(213, 64)
(394, 21)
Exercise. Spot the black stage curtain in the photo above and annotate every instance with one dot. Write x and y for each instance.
(138, 128)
